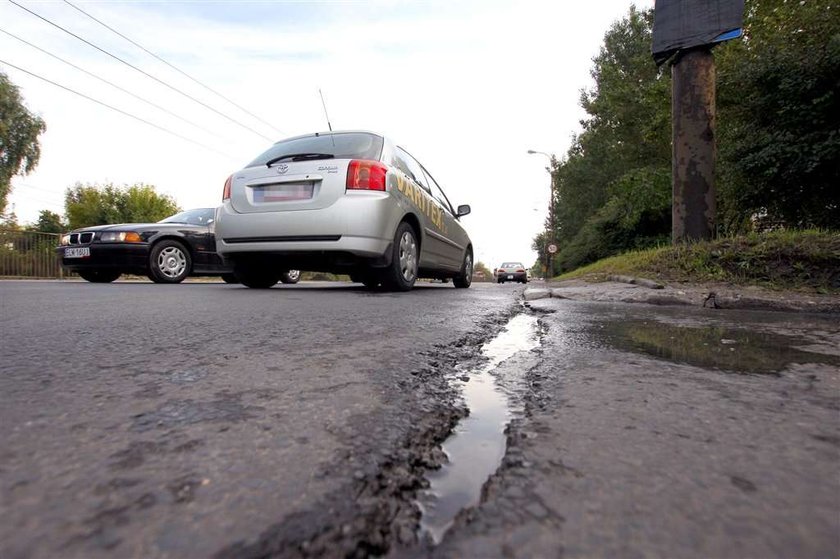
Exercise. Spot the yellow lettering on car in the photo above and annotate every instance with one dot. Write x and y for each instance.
(420, 199)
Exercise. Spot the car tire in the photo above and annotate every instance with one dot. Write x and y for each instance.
(464, 278)
(255, 277)
(169, 262)
(229, 278)
(402, 273)
(100, 276)
(292, 276)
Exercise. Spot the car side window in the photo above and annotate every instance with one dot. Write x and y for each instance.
(438, 193)
(398, 162)
(416, 170)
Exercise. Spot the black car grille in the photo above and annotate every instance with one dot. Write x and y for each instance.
(80, 238)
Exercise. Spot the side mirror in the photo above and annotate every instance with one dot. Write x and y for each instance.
(463, 210)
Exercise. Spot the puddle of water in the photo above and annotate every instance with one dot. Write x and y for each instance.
(477, 446)
(731, 349)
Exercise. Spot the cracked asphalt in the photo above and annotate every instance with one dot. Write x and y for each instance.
(207, 420)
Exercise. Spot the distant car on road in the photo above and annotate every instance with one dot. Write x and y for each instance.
(511, 271)
(168, 251)
(344, 203)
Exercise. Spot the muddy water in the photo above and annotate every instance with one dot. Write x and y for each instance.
(729, 349)
(478, 443)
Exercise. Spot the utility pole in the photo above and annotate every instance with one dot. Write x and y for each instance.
(549, 237)
(693, 133)
(684, 32)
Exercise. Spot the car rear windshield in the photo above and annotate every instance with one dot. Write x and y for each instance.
(512, 265)
(342, 145)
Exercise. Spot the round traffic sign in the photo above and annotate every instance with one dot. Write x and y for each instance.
(552, 248)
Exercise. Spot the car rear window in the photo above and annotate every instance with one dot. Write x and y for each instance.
(343, 145)
(512, 265)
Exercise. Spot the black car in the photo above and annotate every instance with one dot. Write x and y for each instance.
(167, 251)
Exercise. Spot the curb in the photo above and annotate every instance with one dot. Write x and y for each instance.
(701, 298)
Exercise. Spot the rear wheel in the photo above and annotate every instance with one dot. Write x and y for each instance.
(402, 273)
(464, 278)
(100, 276)
(292, 276)
(256, 277)
(169, 262)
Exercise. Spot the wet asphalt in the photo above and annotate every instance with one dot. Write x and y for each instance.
(208, 420)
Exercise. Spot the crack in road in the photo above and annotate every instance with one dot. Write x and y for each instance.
(377, 513)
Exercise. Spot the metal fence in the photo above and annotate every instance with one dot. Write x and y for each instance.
(29, 254)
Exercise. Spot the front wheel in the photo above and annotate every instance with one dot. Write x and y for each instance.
(99, 276)
(464, 279)
(402, 273)
(169, 262)
(292, 276)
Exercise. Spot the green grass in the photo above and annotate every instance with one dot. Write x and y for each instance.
(807, 260)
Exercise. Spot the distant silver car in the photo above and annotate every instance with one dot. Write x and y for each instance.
(511, 271)
(341, 202)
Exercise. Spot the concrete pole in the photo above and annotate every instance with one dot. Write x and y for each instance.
(693, 161)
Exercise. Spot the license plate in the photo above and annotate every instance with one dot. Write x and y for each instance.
(510, 277)
(286, 192)
(77, 252)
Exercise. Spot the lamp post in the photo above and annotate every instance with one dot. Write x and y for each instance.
(549, 238)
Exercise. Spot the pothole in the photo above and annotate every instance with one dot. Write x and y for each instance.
(477, 445)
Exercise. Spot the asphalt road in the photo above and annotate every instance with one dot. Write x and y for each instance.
(146, 420)
(208, 420)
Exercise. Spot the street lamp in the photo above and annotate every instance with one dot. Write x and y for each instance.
(549, 238)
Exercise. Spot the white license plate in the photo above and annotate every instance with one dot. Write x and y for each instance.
(510, 277)
(77, 252)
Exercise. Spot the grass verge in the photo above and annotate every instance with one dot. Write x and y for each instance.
(806, 260)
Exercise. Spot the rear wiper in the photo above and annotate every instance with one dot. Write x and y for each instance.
(300, 157)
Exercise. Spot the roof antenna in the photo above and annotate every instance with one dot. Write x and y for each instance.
(325, 110)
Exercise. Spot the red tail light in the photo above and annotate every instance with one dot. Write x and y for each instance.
(366, 175)
(226, 191)
(520, 271)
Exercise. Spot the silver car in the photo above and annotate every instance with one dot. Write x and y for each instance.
(346, 203)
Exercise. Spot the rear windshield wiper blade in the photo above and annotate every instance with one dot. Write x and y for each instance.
(299, 157)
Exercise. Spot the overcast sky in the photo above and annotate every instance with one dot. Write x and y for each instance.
(466, 87)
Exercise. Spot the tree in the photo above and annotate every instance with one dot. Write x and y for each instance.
(87, 205)
(19, 131)
(612, 189)
(778, 107)
(48, 222)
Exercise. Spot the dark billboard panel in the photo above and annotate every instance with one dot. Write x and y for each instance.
(683, 24)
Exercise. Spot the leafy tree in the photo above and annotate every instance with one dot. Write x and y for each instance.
(48, 222)
(19, 131)
(612, 189)
(87, 205)
(778, 123)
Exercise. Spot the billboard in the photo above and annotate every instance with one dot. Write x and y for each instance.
(684, 24)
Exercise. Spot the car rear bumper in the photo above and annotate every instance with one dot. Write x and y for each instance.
(126, 257)
(512, 276)
(358, 224)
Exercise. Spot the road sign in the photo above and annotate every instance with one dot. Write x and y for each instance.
(552, 248)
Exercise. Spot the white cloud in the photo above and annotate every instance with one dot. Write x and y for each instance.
(467, 88)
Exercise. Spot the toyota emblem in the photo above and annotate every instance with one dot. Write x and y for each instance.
(282, 168)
